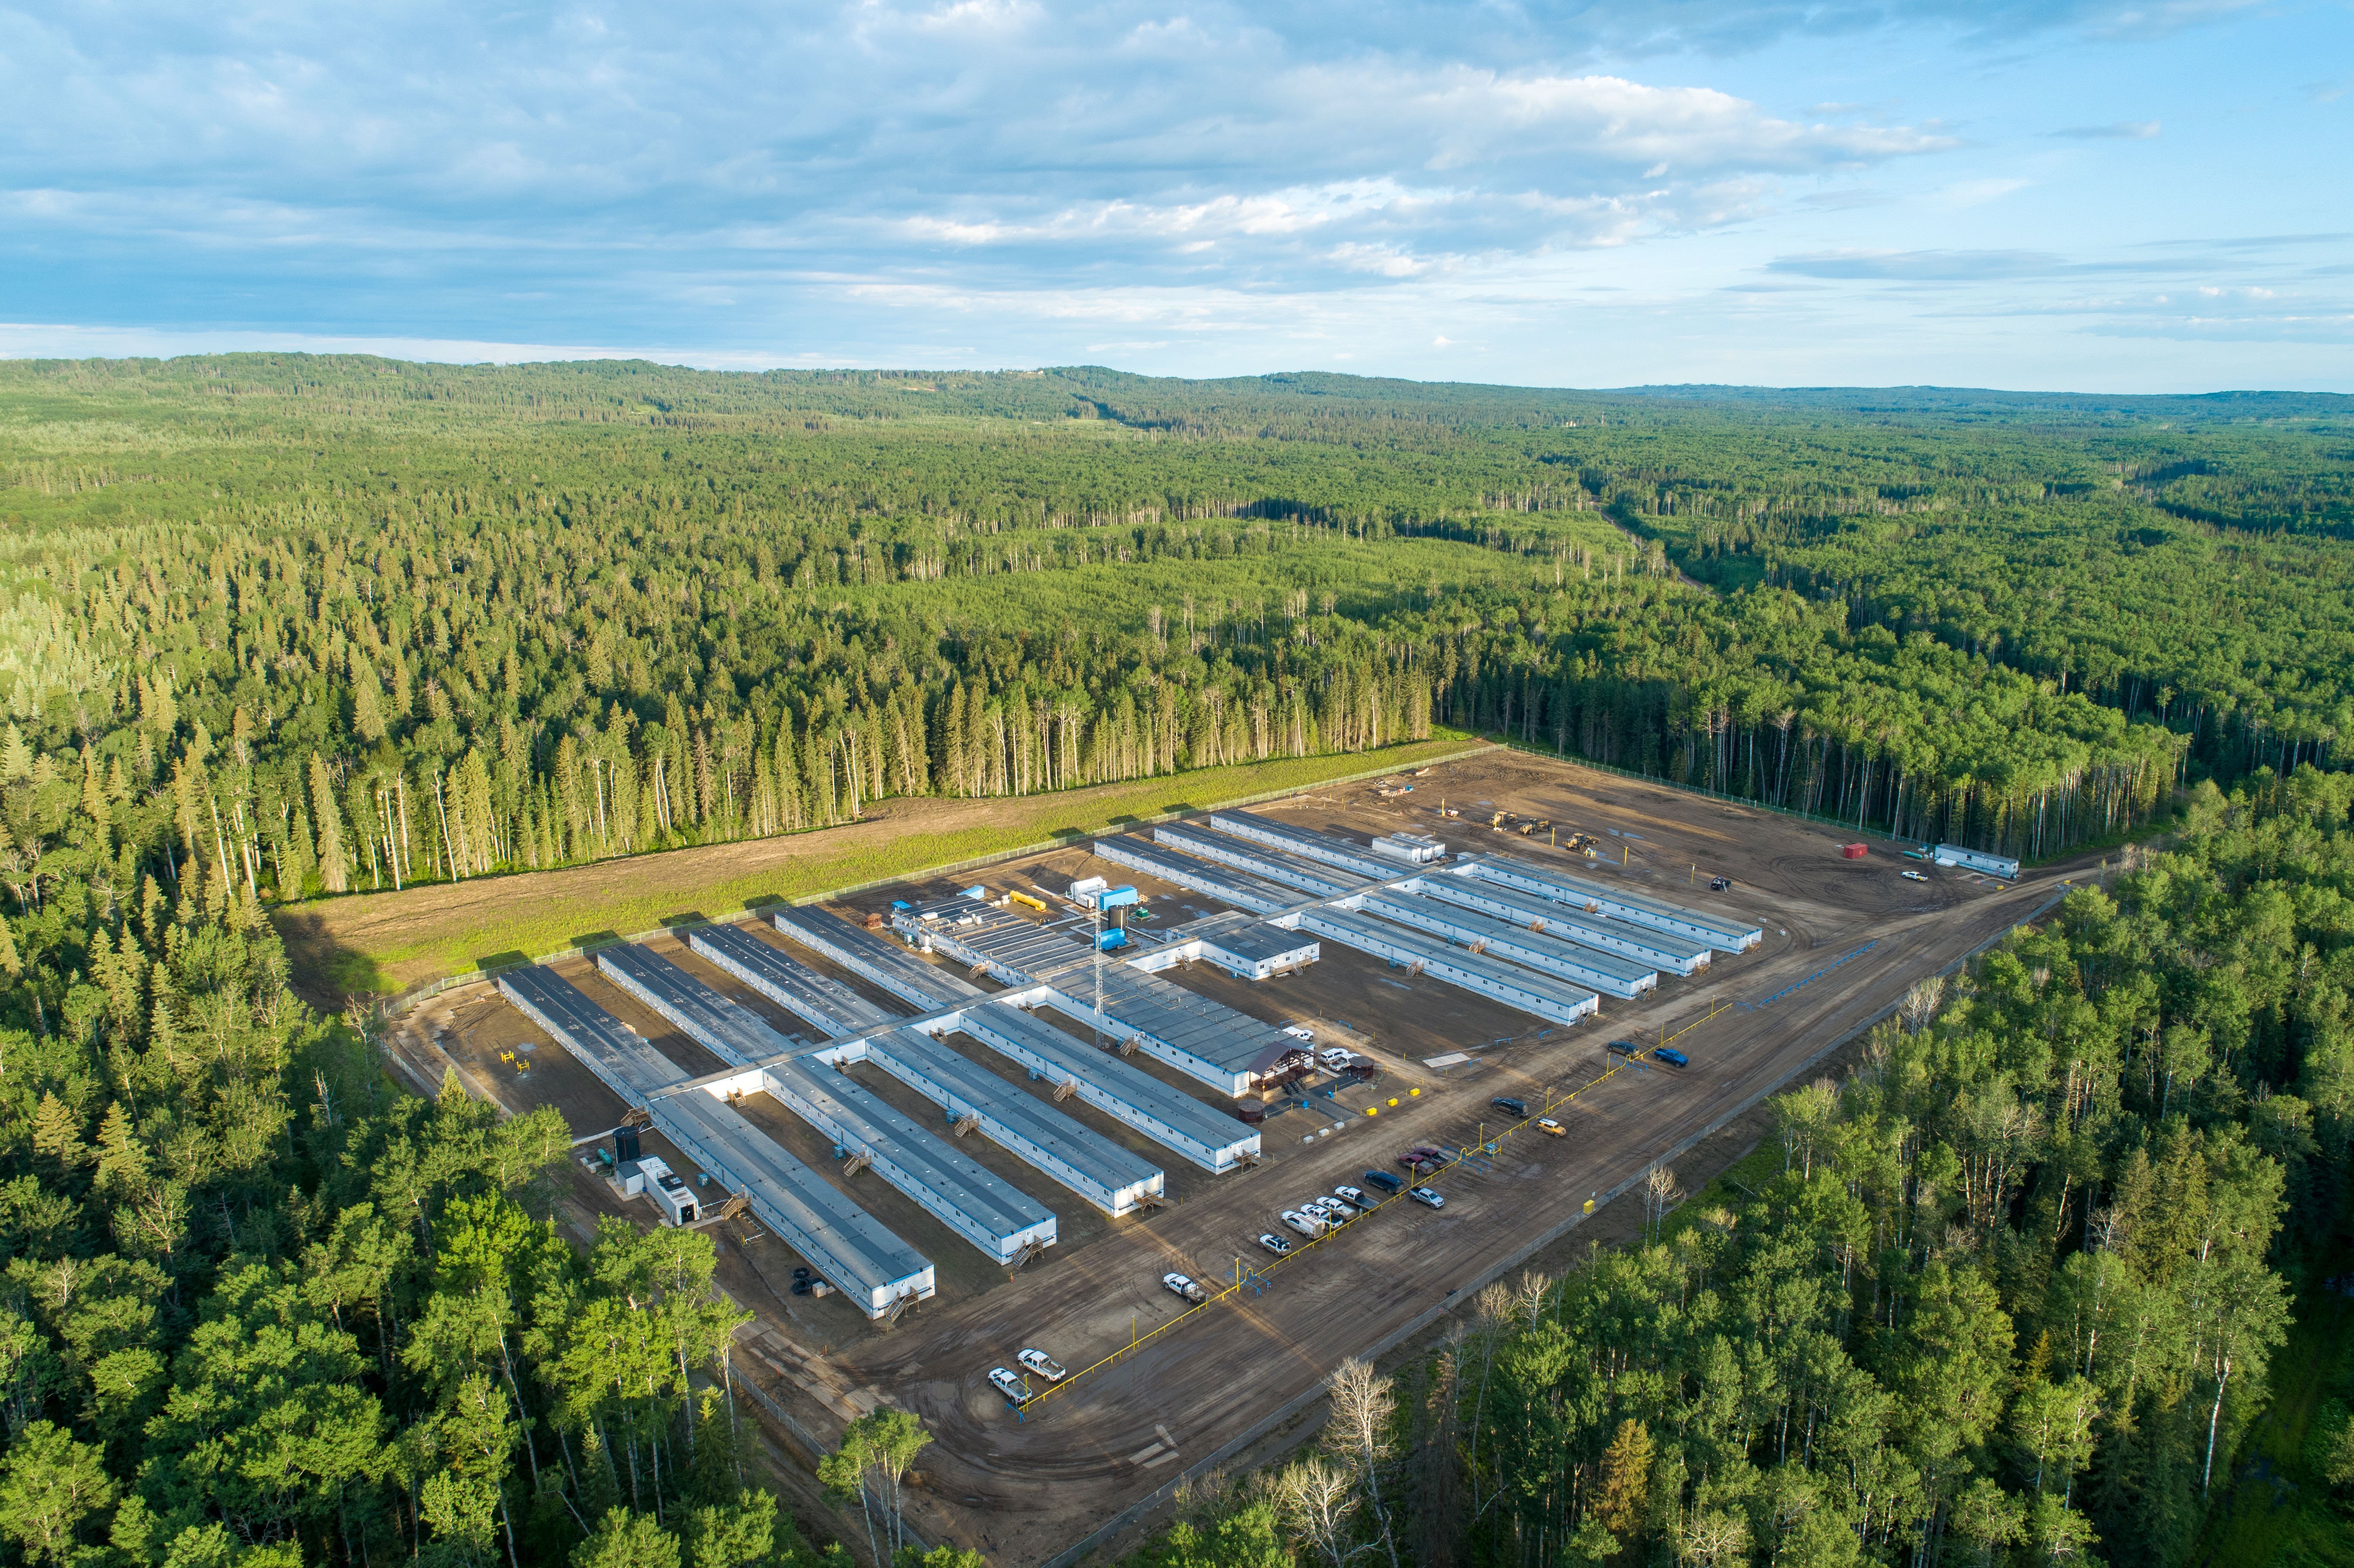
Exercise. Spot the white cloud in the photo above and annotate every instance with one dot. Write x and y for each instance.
(866, 179)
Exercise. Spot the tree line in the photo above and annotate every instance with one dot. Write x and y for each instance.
(2010, 1291)
(359, 624)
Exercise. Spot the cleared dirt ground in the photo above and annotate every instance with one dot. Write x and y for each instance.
(1850, 935)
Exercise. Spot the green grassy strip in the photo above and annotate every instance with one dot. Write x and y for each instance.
(461, 950)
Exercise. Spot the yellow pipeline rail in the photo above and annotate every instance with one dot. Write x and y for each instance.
(1302, 1249)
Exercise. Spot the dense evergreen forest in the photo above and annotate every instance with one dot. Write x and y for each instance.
(2008, 1293)
(280, 628)
(351, 624)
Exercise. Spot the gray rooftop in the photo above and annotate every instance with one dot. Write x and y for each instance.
(1227, 882)
(1313, 876)
(604, 1045)
(1727, 933)
(828, 1005)
(1331, 849)
(848, 1247)
(955, 1181)
(1172, 1108)
(1217, 1033)
(1084, 1149)
(882, 959)
(735, 1034)
(1244, 935)
(1018, 947)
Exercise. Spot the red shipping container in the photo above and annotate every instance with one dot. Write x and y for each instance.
(1852, 852)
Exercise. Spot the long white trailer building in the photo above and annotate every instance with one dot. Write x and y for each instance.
(1171, 1118)
(1976, 860)
(1226, 883)
(844, 1245)
(1351, 859)
(985, 1208)
(830, 1007)
(1314, 879)
(1726, 934)
(1660, 949)
(1611, 975)
(1111, 1177)
(1204, 1040)
(878, 958)
(1541, 995)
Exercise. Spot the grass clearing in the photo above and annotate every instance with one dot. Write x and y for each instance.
(386, 941)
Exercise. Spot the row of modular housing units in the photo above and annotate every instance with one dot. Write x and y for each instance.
(845, 1246)
(1548, 943)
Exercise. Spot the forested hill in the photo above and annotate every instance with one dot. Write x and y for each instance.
(390, 621)
(277, 628)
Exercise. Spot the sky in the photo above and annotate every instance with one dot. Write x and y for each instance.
(2117, 196)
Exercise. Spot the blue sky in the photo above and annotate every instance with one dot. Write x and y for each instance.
(2100, 194)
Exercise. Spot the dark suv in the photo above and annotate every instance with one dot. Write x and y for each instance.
(1383, 1180)
(1507, 1102)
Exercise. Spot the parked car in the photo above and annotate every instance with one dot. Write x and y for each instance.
(1356, 1196)
(1430, 1154)
(1179, 1285)
(1042, 1364)
(1624, 1048)
(1334, 1060)
(1297, 1033)
(1429, 1199)
(1506, 1103)
(1339, 1208)
(1306, 1224)
(1912, 876)
(1385, 1181)
(1321, 1209)
(1015, 1391)
(1275, 1243)
(1671, 1056)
